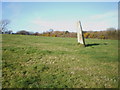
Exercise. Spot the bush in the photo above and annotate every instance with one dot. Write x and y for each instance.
(86, 35)
(54, 35)
(102, 37)
(91, 35)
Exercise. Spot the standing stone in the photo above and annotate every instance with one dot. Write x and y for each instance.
(80, 35)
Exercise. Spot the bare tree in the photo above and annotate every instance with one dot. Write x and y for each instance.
(3, 25)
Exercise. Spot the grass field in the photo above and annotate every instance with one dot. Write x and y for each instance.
(54, 62)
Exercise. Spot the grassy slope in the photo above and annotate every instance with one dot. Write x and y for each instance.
(32, 61)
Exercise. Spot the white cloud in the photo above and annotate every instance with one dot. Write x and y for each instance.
(44, 25)
(95, 22)
(101, 21)
(110, 14)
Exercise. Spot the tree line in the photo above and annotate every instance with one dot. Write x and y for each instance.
(110, 33)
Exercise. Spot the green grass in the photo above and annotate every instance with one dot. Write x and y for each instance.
(54, 62)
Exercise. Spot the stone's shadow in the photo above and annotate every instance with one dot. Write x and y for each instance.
(94, 44)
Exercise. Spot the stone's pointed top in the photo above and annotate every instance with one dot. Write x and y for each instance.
(79, 22)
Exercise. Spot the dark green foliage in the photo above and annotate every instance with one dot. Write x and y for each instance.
(23, 32)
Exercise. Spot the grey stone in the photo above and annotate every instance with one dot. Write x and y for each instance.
(80, 35)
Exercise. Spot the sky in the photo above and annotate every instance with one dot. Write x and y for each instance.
(60, 16)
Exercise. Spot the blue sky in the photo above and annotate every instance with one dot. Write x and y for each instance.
(42, 16)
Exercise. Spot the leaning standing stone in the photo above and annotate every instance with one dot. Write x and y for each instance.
(80, 35)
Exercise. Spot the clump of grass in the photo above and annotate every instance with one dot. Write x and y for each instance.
(81, 45)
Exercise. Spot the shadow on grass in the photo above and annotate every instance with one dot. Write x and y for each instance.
(94, 44)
